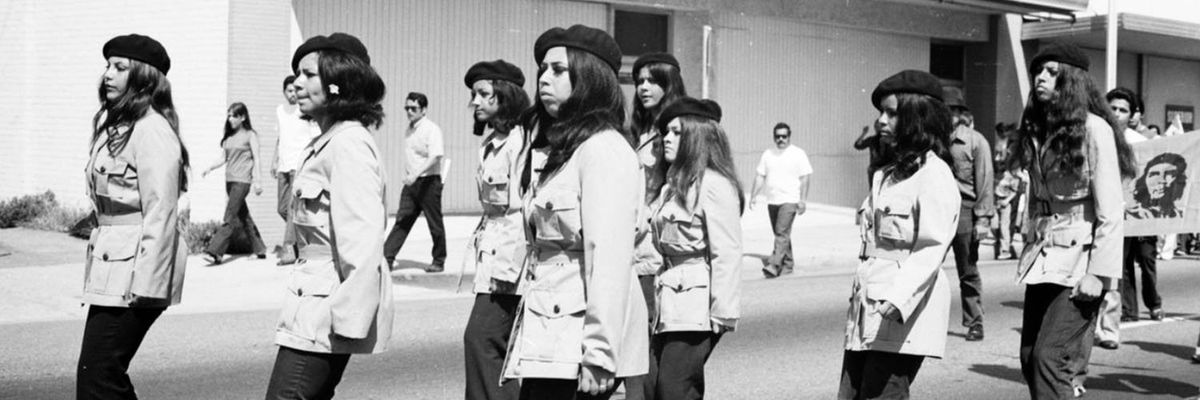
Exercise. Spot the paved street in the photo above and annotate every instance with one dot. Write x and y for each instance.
(787, 347)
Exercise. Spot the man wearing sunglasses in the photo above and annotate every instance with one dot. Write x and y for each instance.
(422, 184)
(783, 174)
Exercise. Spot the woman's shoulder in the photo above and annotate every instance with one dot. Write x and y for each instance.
(153, 121)
(715, 182)
(606, 142)
(937, 167)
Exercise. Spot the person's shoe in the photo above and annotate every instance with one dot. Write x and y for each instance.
(770, 272)
(261, 256)
(975, 333)
(212, 259)
(1108, 344)
(1195, 358)
(434, 268)
(1157, 314)
(1079, 390)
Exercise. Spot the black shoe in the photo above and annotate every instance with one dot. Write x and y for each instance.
(975, 333)
(1157, 314)
(212, 259)
(1195, 358)
(1108, 344)
(770, 272)
(261, 256)
(434, 268)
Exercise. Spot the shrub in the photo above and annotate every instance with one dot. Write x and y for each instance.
(20, 210)
(197, 235)
(57, 219)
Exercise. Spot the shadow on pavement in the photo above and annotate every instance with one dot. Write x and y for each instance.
(1020, 305)
(1174, 350)
(998, 371)
(1124, 383)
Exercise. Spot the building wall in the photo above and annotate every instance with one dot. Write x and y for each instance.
(54, 48)
(1170, 81)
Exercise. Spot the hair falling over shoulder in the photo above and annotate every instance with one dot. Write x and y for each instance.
(146, 89)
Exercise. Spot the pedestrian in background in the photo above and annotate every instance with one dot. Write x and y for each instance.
(582, 327)
(1067, 142)
(498, 244)
(900, 301)
(294, 134)
(339, 295)
(698, 231)
(1009, 194)
(240, 145)
(973, 170)
(422, 193)
(782, 173)
(136, 171)
(658, 83)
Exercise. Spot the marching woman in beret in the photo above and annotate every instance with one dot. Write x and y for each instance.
(582, 324)
(498, 243)
(658, 83)
(900, 302)
(339, 297)
(698, 231)
(135, 174)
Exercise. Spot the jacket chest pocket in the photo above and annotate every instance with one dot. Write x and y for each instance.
(556, 215)
(895, 223)
(117, 180)
(493, 186)
(683, 297)
(679, 227)
(312, 205)
(552, 327)
(111, 256)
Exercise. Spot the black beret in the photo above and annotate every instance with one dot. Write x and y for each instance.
(652, 58)
(337, 41)
(907, 81)
(141, 48)
(498, 70)
(588, 39)
(688, 106)
(1065, 53)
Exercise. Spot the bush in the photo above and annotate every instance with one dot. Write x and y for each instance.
(197, 235)
(21, 210)
(58, 219)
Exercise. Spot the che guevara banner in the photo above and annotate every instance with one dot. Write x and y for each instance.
(1164, 197)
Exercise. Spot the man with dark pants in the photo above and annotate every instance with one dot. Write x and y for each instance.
(1139, 250)
(973, 171)
(783, 173)
(422, 184)
(294, 135)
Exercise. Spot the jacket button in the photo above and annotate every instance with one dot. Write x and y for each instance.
(887, 209)
(556, 308)
(489, 179)
(104, 257)
(103, 170)
(549, 205)
(1072, 242)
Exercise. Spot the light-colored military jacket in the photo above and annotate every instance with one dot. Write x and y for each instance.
(137, 251)
(701, 245)
(339, 294)
(646, 259)
(906, 228)
(583, 304)
(1076, 221)
(498, 244)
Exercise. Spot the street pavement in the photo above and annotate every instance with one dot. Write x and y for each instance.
(217, 345)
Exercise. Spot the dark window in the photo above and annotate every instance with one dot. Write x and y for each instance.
(946, 61)
(640, 33)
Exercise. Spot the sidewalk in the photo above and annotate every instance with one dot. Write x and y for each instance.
(825, 242)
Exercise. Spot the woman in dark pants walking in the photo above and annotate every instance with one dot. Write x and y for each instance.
(499, 242)
(135, 174)
(240, 145)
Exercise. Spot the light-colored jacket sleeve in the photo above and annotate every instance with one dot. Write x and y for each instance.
(611, 191)
(357, 221)
(937, 210)
(1109, 231)
(157, 154)
(985, 192)
(723, 229)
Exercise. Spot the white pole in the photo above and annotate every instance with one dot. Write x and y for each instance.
(704, 74)
(1110, 51)
(1012, 24)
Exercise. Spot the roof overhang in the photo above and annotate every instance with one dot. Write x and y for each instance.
(1057, 9)
(1135, 34)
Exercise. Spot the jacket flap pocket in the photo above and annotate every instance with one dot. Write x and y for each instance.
(308, 190)
(558, 201)
(1070, 237)
(115, 166)
(555, 304)
(303, 284)
(685, 277)
(111, 245)
(494, 177)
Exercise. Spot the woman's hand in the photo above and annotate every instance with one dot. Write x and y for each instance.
(889, 311)
(1089, 288)
(595, 380)
(719, 329)
(257, 189)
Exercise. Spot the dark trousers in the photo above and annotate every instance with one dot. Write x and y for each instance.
(641, 387)
(877, 375)
(1054, 331)
(423, 195)
(1142, 251)
(111, 336)
(305, 375)
(237, 222)
(560, 389)
(966, 259)
(286, 198)
(485, 343)
(679, 358)
(782, 216)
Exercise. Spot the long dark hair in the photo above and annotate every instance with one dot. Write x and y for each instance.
(703, 145)
(667, 76)
(360, 89)
(923, 124)
(1061, 124)
(513, 101)
(147, 88)
(596, 104)
(238, 110)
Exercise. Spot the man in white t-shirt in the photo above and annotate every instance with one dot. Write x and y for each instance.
(783, 174)
(294, 135)
(422, 191)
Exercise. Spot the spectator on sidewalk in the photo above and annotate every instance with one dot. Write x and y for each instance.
(422, 191)
(242, 173)
(1010, 186)
(294, 133)
(136, 171)
(783, 174)
(973, 170)
(1139, 250)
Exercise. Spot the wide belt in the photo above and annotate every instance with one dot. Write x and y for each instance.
(121, 219)
(898, 255)
(673, 261)
(1085, 208)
